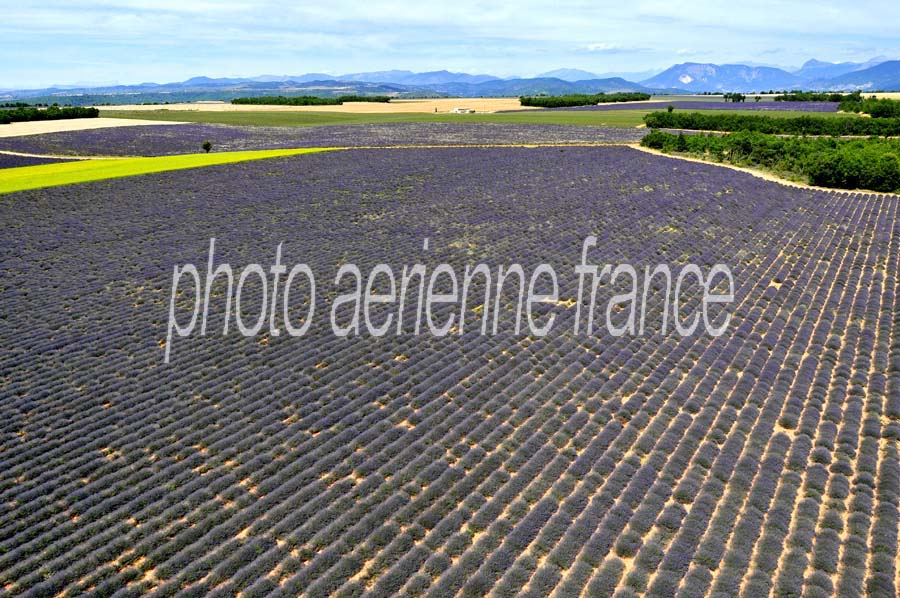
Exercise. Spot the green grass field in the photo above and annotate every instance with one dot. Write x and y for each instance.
(609, 118)
(82, 171)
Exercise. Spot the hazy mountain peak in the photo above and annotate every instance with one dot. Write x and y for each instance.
(695, 76)
(882, 76)
(569, 75)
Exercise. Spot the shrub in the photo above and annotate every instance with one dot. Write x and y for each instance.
(607, 578)
(478, 585)
(878, 108)
(819, 584)
(545, 579)
(628, 544)
(825, 557)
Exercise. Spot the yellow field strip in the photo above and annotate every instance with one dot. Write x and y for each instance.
(82, 171)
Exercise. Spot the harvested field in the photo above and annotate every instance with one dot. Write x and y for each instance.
(75, 124)
(442, 105)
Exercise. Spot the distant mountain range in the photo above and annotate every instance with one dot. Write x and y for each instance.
(696, 77)
(417, 85)
(884, 76)
(689, 77)
(816, 70)
(418, 79)
(580, 75)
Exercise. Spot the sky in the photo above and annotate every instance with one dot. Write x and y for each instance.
(131, 41)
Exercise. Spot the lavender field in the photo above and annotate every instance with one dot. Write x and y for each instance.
(14, 161)
(698, 105)
(165, 140)
(761, 462)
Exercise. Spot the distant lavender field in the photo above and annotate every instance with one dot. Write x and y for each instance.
(10, 161)
(161, 140)
(688, 105)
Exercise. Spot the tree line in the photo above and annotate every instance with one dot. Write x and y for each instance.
(581, 99)
(825, 161)
(308, 100)
(735, 97)
(801, 125)
(849, 102)
(817, 96)
(877, 108)
(24, 114)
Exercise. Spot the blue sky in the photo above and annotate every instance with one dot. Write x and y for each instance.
(130, 41)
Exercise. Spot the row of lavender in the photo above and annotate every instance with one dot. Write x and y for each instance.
(14, 161)
(758, 461)
(159, 140)
(699, 105)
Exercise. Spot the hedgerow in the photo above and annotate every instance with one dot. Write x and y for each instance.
(51, 113)
(875, 107)
(309, 100)
(842, 163)
(565, 101)
(816, 96)
(752, 123)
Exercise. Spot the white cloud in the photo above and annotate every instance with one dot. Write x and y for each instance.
(603, 47)
(215, 37)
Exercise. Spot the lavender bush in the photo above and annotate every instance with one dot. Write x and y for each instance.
(14, 161)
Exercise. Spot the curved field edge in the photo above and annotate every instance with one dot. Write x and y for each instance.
(757, 171)
(83, 171)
